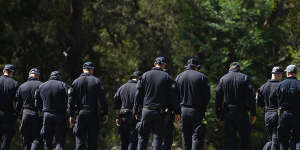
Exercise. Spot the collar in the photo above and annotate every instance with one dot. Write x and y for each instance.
(235, 70)
(32, 79)
(291, 77)
(157, 68)
(132, 81)
(54, 78)
(273, 80)
(85, 74)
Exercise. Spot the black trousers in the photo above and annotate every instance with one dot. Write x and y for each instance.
(289, 131)
(7, 129)
(168, 133)
(237, 122)
(30, 129)
(271, 122)
(128, 132)
(151, 121)
(86, 126)
(54, 125)
(193, 129)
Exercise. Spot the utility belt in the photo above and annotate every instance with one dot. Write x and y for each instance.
(235, 108)
(29, 107)
(268, 109)
(158, 108)
(125, 111)
(84, 107)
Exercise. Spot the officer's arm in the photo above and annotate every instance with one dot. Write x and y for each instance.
(117, 103)
(38, 100)
(219, 100)
(259, 98)
(139, 96)
(102, 99)
(206, 93)
(71, 101)
(174, 99)
(19, 102)
(251, 99)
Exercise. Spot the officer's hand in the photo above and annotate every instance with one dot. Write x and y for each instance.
(105, 119)
(220, 121)
(177, 118)
(253, 120)
(118, 122)
(137, 117)
(72, 121)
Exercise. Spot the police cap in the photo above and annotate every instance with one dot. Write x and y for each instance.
(88, 65)
(160, 60)
(277, 70)
(291, 69)
(193, 62)
(9, 67)
(34, 71)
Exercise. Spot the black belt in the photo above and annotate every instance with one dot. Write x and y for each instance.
(85, 107)
(124, 111)
(28, 107)
(268, 109)
(235, 108)
(153, 107)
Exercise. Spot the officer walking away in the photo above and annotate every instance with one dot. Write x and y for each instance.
(51, 99)
(8, 88)
(169, 117)
(289, 113)
(31, 122)
(83, 104)
(234, 98)
(153, 90)
(194, 91)
(124, 102)
(266, 97)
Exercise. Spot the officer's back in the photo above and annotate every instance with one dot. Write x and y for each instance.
(193, 88)
(53, 94)
(8, 88)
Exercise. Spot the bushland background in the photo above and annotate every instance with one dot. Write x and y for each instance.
(121, 36)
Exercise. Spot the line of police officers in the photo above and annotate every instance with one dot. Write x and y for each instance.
(149, 103)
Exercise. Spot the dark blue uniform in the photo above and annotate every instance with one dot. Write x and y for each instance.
(236, 91)
(194, 93)
(51, 98)
(124, 101)
(84, 101)
(153, 94)
(31, 122)
(8, 88)
(267, 98)
(289, 120)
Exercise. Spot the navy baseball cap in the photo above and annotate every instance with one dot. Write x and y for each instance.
(88, 65)
(160, 60)
(277, 70)
(9, 67)
(136, 74)
(34, 71)
(55, 73)
(291, 69)
(193, 62)
(235, 64)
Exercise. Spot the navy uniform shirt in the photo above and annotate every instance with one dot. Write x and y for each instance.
(87, 91)
(25, 94)
(194, 90)
(154, 90)
(52, 96)
(236, 90)
(8, 88)
(124, 97)
(266, 95)
(289, 94)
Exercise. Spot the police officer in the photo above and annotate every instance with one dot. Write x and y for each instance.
(194, 92)
(266, 97)
(235, 90)
(169, 118)
(153, 91)
(288, 93)
(8, 88)
(87, 94)
(51, 98)
(124, 101)
(31, 123)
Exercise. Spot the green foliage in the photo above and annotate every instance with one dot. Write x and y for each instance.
(122, 36)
